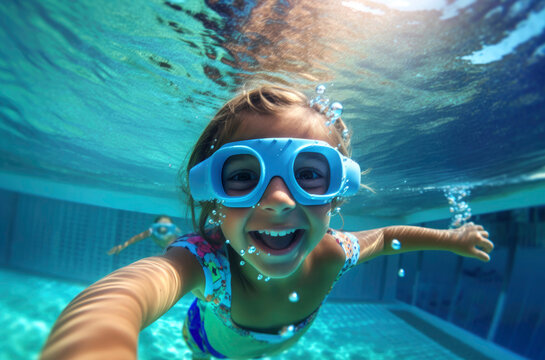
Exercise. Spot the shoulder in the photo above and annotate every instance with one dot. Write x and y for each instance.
(341, 247)
(329, 249)
(190, 253)
(208, 256)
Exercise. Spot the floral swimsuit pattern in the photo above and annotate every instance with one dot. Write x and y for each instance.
(215, 263)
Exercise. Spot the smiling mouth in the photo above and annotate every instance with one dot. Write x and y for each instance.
(277, 242)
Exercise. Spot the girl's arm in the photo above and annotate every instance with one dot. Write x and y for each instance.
(104, 320)
(469, 240)
(143, 235)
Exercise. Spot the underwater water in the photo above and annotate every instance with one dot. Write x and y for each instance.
(101, 102)
(110, 96)
(341, 331)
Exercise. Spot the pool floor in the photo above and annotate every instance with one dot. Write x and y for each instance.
(30, 304)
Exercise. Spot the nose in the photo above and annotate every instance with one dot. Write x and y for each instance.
(277, 197)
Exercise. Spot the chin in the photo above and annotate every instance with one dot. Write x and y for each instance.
(279, 270)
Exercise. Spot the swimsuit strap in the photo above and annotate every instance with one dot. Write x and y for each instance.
(213, 261)
(349, 243)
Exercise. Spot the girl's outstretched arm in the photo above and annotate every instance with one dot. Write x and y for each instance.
(469, 240)
(118, 248)
(104, 320)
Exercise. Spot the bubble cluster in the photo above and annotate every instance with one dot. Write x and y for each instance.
(459, 208)
(332, 111)
(320, 100)
(217, 216)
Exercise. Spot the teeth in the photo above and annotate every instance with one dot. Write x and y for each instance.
(277, 233)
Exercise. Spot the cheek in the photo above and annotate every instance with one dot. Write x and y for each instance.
(234, 218)
(319, 214)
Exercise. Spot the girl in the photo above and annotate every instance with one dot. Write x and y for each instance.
(266, 173)
(163, 232)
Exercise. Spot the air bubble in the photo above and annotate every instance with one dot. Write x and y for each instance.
(401, 273)
(335, 111)
(267, 279)
(242, 252)
(294, 297)
(251, 249)
(287, 331)
(396, 244)
(460, 210)
(259, 277)
(242, 262)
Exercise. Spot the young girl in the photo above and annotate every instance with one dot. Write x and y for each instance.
(266, 173)
(163, 232)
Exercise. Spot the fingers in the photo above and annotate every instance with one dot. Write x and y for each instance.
(483, 247)
(481, 255)
(486, 245)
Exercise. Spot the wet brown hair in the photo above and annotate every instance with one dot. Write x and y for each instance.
(263, 100)
(159, 217)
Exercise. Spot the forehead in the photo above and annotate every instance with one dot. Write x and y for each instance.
(295, 122)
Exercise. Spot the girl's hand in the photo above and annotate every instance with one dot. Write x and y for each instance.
(471, 240)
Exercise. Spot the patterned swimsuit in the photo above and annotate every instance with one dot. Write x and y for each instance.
(215, 263)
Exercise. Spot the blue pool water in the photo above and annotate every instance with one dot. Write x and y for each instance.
(342, 331)
(101, 101)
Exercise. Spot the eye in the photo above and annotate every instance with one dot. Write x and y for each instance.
(311, 171)
(243, 176)
(240, 174)
(307, 174)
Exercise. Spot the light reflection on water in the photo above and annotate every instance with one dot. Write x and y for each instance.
(100, 95)
(341, 331)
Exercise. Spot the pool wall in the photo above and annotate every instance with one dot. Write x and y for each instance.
(501, 301)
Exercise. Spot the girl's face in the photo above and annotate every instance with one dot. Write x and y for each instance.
(279, 226)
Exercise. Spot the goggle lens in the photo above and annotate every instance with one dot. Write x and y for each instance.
(240, 174)
(312, 173)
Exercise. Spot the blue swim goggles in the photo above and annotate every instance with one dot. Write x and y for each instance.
(163, 229)
(238, 173)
